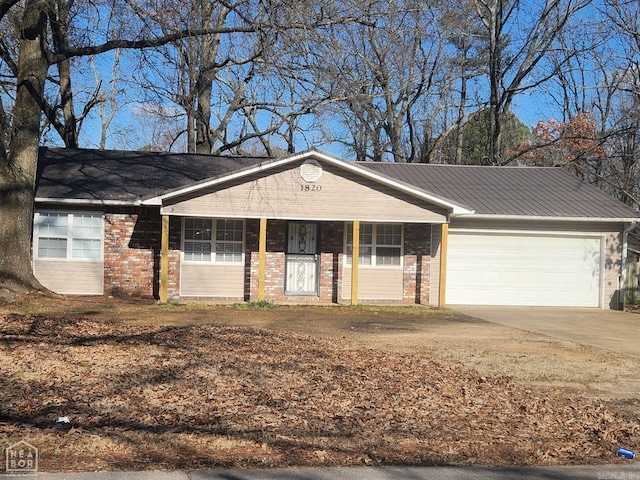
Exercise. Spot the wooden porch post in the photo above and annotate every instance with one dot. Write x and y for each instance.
(164, 259)
(262, 257)
(443, 265)
(355, 258)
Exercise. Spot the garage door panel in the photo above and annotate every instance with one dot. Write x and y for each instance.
(550, 278)
(510, 277)
(518, 269)
(491, 277)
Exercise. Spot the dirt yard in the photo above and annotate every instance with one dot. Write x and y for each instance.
(149, 386)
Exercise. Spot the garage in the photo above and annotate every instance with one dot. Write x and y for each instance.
(488, 268)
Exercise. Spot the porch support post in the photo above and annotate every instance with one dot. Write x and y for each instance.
(355, 258)
(164, 259)
(262, 257)
(443, 265)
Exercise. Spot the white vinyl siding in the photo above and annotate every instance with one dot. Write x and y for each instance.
(212, 281)
(342, 196)
(377, 284)
(489, 268)
(70, 278)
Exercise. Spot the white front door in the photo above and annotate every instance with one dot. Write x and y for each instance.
(301, 272)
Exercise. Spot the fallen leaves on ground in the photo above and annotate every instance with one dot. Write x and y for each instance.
(192, 397)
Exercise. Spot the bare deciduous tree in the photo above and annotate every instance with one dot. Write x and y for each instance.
(520, 36)
(37, 51)
(384, 76)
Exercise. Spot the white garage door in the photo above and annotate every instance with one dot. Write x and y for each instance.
(517, 269)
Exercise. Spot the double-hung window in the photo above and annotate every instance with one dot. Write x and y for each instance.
(69, 236)
(380, 244)
(209, 240)
(229, 234)
(388, 244)
(197, 240)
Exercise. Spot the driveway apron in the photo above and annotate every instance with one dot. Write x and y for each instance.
(611, 330)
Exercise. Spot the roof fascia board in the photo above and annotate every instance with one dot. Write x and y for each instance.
(80, 201)
(486, 216)
(345, 165)
(315, 219)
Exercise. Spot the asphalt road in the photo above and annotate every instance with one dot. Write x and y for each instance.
(598, 472)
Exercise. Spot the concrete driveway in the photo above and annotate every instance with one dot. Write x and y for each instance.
(608, 329)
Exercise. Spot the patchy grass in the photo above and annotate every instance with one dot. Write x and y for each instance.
(256, 304)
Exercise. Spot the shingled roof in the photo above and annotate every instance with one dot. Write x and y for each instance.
(125, 176)
(105, 176)
(510, 191)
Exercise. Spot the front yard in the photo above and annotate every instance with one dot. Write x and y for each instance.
(191, 390)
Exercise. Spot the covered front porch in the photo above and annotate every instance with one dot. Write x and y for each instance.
(301, 261)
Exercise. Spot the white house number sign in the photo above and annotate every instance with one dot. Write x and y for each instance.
(310, 171)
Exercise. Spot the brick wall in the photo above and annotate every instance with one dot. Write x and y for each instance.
(132, 252)
(417, 261)
(331, 250)
(274, 276)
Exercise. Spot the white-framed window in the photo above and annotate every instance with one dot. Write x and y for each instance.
(380, 244)
(388, 244)
(197, 239)
(68, 236)
(208, 240)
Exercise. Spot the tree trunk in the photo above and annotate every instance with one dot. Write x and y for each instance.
(461, 109)
(204, 142)
(209, 45)
(628, 163)
(494, 85)
(17, 173)
(70, 136)
(496, 137)
(59, 38)
(191, 129)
